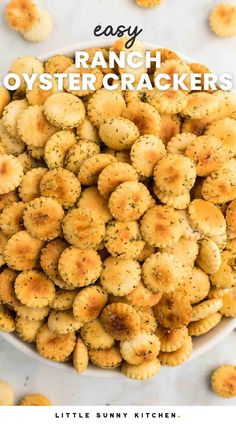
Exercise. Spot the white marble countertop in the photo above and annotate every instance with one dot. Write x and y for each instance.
(181, 25)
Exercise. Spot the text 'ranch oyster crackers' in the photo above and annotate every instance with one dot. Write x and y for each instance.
(117, 223)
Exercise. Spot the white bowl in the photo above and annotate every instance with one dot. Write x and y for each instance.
(200, 344)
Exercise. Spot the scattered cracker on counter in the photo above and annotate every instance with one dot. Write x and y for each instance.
(223, 20)
(223, 381)
(117, 232)
(21, 15)
(6, 394)
(32, 22)
(148, 3)
(35, 399)
(41, 30)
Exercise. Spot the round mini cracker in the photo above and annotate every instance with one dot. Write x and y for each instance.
(208, 153)
(53, 346)
(33, 128)
(120, 276)
(106, 358)
(89, 303)
(174, 174)
(34, 289)
(204, 325)
(162, 272)
(78, 267)
(43, 217)
(161, 226)
(35, 399)
(223, 381)
(83, 228)
(118, 133)
(105, 104)
(222, 20)
(174, 310)
(95, 337)
(206, 308)
(123, 239)
(11, 218)
(22, 251)
(144, 371)
(61, 185)
(206, 217)
(21, 15)
(63, 322)
(143, 347)
(171, 340)
(200, 105)
(64, 110)
(129, 201)
(121, 321)
(168, 101)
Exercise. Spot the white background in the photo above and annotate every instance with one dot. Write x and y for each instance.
(179, 24)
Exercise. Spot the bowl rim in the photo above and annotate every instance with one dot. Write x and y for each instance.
(201, 344)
